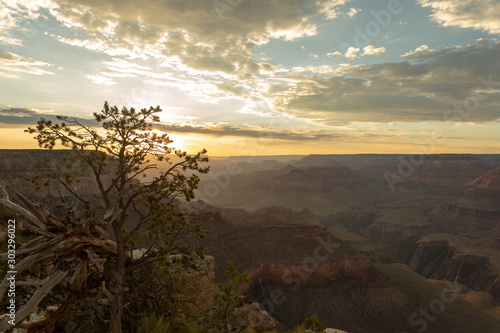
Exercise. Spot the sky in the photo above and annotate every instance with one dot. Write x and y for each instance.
(262, 77)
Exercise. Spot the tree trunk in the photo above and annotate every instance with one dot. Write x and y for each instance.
(119, 275)
(115, 325)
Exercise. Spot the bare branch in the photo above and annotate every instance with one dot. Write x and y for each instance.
(73, 192)
(94, 259)
(35, 299)
(30, 283)
(28, 205)
(4, 200)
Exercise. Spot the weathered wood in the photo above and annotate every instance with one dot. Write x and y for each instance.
(48, 323)
(35, 299)
(31, 243)
(4, 200)
(30, 283)
(95, 260)
(37, 247)
(79, 277)
(66, 240)
(22, 265)
(28, 205)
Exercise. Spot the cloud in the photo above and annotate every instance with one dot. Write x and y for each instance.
(335, 54)
(26, 117)
(190, 31)
(452, 84)
(198, 52)
(420, 49)
(372, 50)
(100, 79)
(21, 20)
(323, 69)
(476, 14)
(265, 133)
(15, 63)
(9, 75)
(29, 117)
(331, 10)
(353, 12)
(352, 52)
(189, 34)
(19, 112)
(355, 52)
(120, 68)
(257, 133)
(214, 59)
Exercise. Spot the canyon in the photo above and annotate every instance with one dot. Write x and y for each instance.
(441, 221)
(365, 242)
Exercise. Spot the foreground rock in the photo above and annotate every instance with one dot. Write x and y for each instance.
(249, 316)
(253, 317)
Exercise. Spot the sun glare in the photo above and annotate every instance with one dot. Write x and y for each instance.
(178, 140)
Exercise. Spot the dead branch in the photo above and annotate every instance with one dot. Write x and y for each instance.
(68, 248)
(95, 260)
(4, 200)
(37, 297)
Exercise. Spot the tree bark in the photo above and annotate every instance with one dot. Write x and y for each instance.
(116, 306)
(115, 325)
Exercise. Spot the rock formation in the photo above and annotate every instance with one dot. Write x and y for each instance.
(298, 269)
